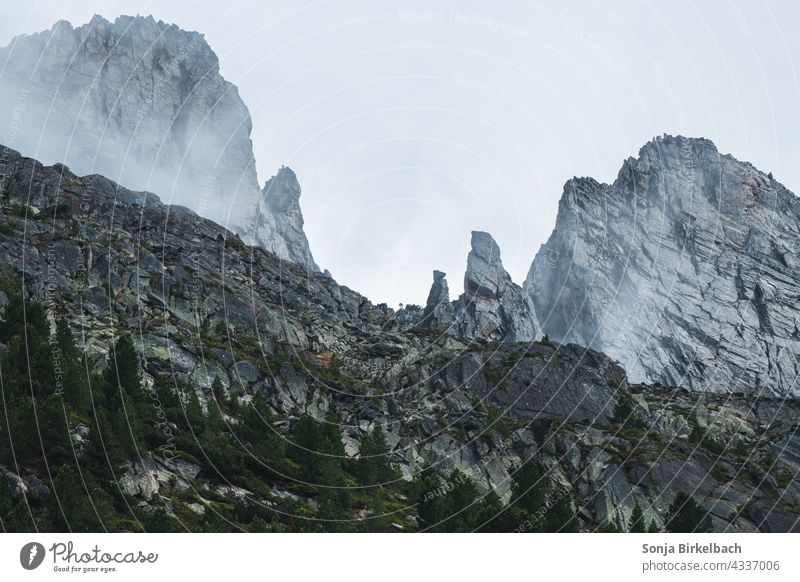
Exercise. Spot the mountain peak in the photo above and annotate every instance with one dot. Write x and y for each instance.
(279, 226)
(667, 154)
(154, 114)
(492, 307)
(282, 190)
(678, 269)
(485, 276)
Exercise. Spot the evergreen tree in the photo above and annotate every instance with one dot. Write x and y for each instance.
(22, 317)
(70, 506)
(430, 491)
(193, 412)
(609, 527)
(527, 489)
(104, 453)
(23, 435)
(14, 516)
(53, 426)
(218, 390)
(124, 397)
(373, 463)
(5, 506)
(637, 520)
(686, 516)
(462, 503)
(258, 525)
(159, 521)
(122, 376)
(76, 385)
(493, 517)
(560, 517)
(27, 361)
(449, 504)
(319, 451)
(624, 414)
(268, 448)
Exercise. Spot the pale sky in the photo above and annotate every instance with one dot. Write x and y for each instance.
(410, 124)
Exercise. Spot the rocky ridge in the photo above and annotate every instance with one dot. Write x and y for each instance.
(279, 222)
(153, 112)
(685, 270)
(492, 306)
(203, 305)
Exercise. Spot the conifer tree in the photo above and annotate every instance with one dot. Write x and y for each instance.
(560, 517)
(373, 464)
(686, 516)
(528, 491)
(76, 385)
(637, 520)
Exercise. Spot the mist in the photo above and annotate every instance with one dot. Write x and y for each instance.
(148, 123)
(409, 127)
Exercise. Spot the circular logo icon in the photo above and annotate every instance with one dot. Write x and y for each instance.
(31, 555)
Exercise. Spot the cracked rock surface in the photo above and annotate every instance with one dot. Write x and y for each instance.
(685, 270)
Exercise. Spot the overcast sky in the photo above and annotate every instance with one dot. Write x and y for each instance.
(411, 126)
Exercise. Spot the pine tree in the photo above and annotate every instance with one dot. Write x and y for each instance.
(52, 422)
(19, 430)
(218, 390)
(76, 385)
(256, 430)
(686, 516)
(5, 505)
(22, 317)
(637, 520)
(561, 517)
(319, 451)
(104, 452)
(15, 516)
(70, 506)
(124, 397)
(624, 414)
(430, 491)
(373, 464)
(493, 517)
(193, 412)
(123, 375)
(161, 522)
(259, 525)
(27, 361)
(462, 505)
(527, 489)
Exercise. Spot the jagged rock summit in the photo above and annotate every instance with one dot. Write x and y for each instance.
(279, 224)
(492, 307)
(184, 289)
(685, 269)
(142, 102)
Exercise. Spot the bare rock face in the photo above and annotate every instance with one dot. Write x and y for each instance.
(141, 102)
(138, 101)
(438, 311)
(279, 223)
(492, 307)
(160, 276)
(485, 277)
(685, 269)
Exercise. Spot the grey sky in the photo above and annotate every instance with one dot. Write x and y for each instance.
(410, 126)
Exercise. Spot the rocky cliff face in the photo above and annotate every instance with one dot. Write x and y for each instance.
(144, 103)
(201, 305)
(492, 308)
(685, 269)
(279, 223)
